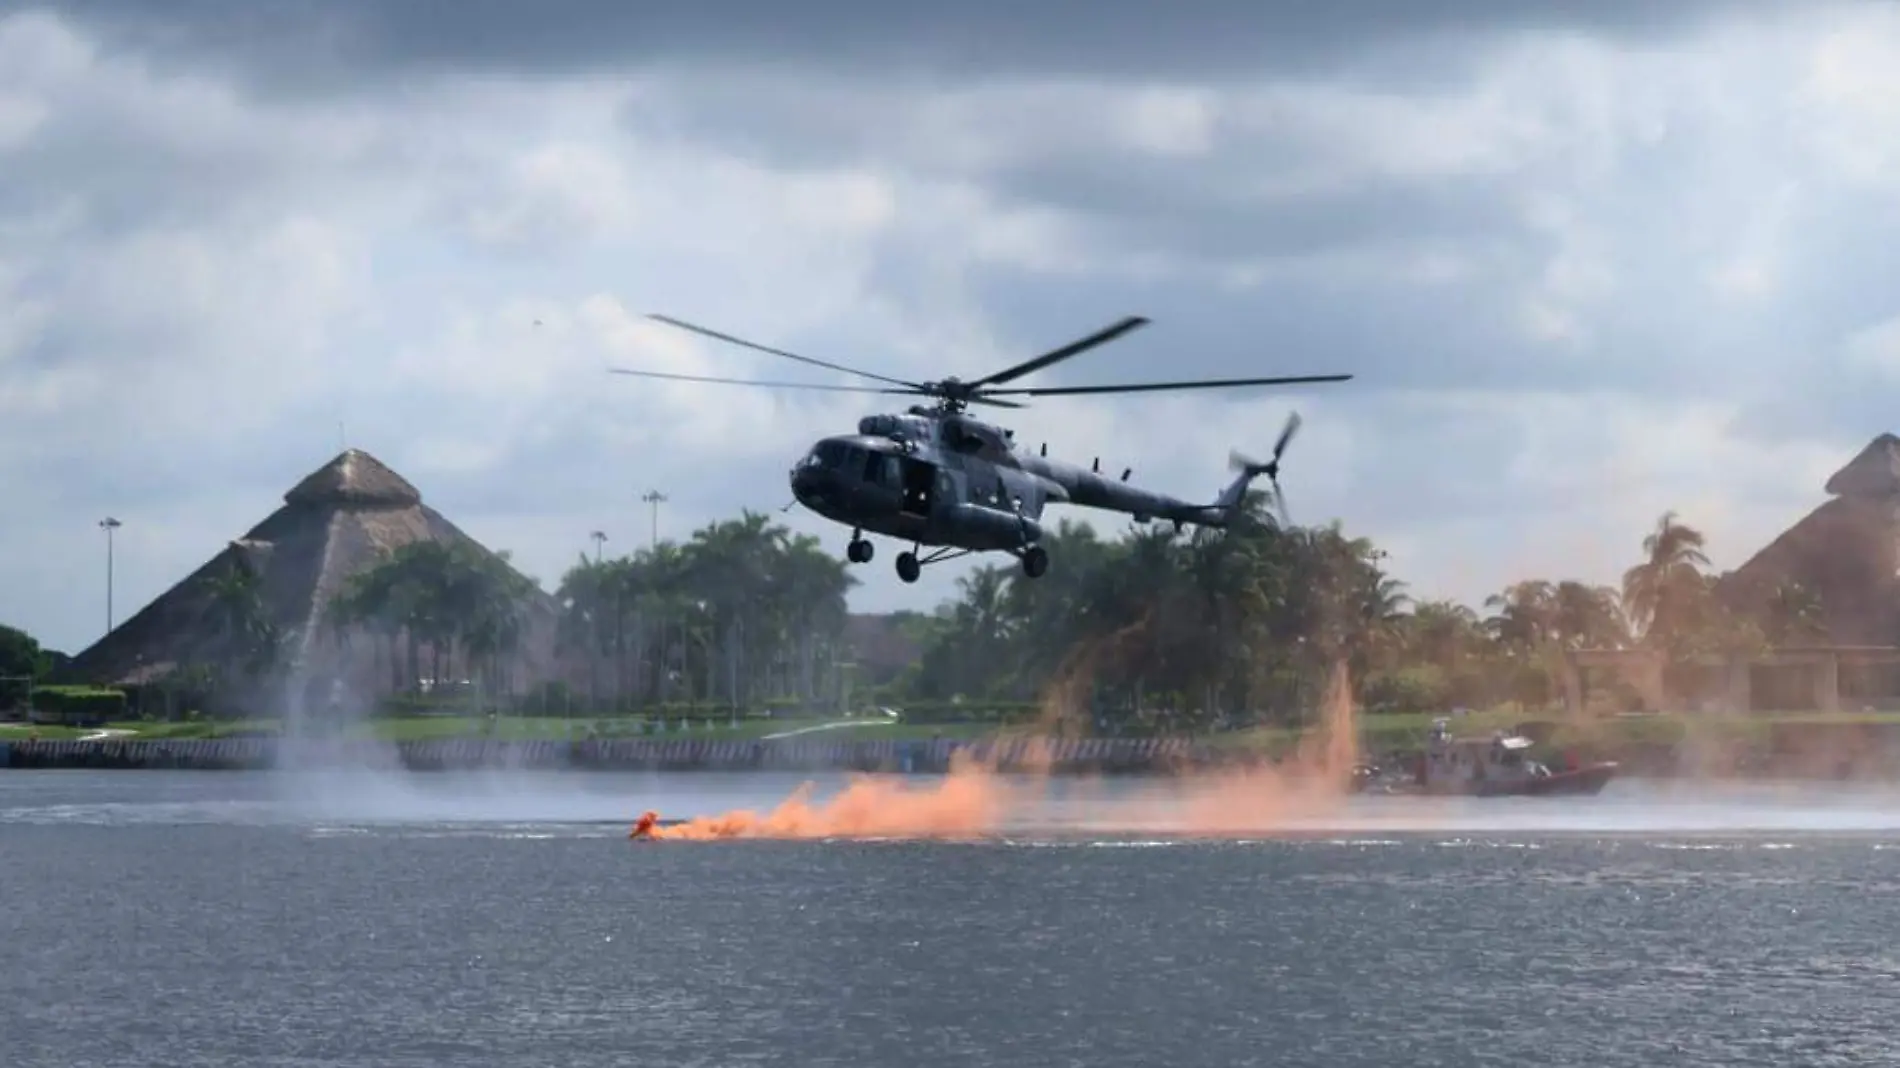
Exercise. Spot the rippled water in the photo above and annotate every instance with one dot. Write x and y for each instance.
(152, 918)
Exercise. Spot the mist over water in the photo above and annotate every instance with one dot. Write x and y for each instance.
(1031, 806)
(1034, 804)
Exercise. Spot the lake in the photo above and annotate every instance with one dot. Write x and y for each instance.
(373, 918)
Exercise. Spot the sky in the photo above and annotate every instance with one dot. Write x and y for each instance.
(1589, 262)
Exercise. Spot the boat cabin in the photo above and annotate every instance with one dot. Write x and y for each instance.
(1469, 765)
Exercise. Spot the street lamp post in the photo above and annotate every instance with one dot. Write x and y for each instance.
(654, 498)
(109, 524)
(600, 538)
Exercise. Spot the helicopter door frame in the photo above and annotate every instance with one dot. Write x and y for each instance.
(945, 487)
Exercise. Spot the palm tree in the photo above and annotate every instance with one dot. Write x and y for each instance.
(1661, 595)
(1444, 634)
(742, 610)
(1587, 617)
(453, 598)
(248, 641)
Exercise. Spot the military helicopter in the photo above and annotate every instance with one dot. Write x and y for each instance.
(938, 478)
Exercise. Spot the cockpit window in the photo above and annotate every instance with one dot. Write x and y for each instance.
(832, 454)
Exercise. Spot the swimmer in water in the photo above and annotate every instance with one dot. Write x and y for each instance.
(644, 827)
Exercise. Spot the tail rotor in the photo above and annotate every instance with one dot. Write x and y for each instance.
(1271, 468)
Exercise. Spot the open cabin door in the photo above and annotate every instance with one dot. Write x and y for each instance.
(921, 483)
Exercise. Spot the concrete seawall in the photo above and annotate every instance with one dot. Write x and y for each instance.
(1074, 755)
(1811, 760)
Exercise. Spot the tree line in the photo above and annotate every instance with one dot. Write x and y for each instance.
(23, 662)
(741, 612)
(1204, 625)
(1244, 624)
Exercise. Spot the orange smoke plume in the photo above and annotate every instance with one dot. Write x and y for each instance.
(970, 801)
(1268, 797)
(974, 800)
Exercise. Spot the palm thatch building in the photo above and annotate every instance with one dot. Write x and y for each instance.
(1846, 553)
(259, 612)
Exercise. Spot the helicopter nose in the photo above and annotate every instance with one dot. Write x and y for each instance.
(809, 483)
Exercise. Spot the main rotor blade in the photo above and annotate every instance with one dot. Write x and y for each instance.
(755, 346)
(1149, 387)
(755, 382)
(1080, 345)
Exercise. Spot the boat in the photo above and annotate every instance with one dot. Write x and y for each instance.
(1498, 766)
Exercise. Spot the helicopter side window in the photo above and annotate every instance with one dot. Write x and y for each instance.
(921, 481)
(880, 469)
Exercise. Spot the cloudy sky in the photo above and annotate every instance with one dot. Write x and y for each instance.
(1588, 262)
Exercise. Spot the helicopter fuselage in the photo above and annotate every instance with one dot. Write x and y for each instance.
(955, 483)
(936, 477)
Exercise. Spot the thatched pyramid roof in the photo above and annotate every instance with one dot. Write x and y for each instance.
(354, 478)
(341, 519)
(1875, 473)
(1847, 552)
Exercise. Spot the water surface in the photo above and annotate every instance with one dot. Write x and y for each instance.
(325, 920)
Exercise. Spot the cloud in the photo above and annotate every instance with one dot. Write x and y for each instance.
(1588, 264)
(304, 44)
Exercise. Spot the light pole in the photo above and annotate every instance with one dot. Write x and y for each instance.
(654, 499)
(109, 524)
(600, 538)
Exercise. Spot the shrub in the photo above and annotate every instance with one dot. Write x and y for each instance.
(80, 704)
(1413, 689)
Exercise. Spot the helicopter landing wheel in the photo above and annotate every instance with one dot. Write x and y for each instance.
(908, 568)
(859, 551)
(1035, 561)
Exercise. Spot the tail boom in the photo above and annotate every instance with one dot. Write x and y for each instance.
(1221, 513)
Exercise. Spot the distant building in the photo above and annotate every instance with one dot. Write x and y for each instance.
(1847, 553)
(343, 518)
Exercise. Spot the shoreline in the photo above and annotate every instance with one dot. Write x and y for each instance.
(1054, 756)
(1059, 756)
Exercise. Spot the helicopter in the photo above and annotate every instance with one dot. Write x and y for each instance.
(936, 477)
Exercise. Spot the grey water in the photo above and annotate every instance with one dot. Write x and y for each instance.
(157, 918)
